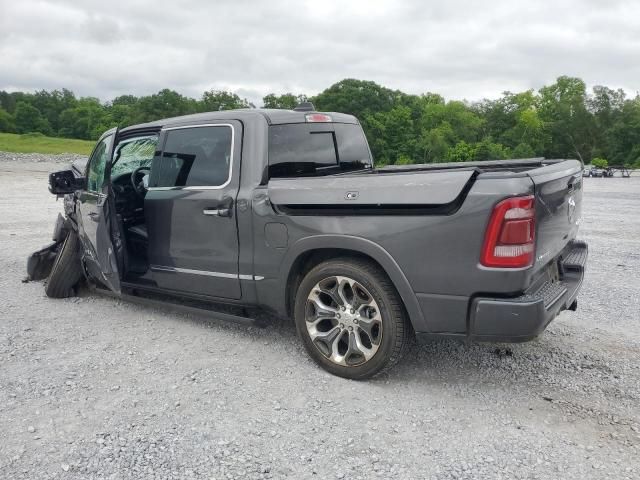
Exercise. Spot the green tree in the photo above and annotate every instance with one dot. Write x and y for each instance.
(29, 119)
(392, 135)
(435, 143)
(600, 163)
(488, 150)
(125, 100)
(7, 123)
(558, 121)
(523, 150)
(623, 136)
(513, 120)
(86, 121)
(563, 109)
(356, 97)
(164, 104)
(7, 101)
(52, 104)
(287, 101)
(463, 121)
(461, 152)
(215, 100)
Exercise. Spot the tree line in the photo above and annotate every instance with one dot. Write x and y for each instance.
(561, 120)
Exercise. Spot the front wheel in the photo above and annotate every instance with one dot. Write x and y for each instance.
(351, 318)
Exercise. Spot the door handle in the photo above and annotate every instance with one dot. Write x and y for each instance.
(217, 212)
(95, 216)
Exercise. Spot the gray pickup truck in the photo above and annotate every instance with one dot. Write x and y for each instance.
(283, 211)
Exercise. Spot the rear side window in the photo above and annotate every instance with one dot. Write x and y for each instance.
(194, 157)
(304, 149)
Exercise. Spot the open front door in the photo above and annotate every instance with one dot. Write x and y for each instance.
(97, 218)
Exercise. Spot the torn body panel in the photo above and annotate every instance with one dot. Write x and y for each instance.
(40, 262)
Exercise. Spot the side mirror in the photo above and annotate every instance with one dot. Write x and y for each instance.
(64, 181)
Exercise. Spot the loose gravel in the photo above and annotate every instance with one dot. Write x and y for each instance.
(94, 387)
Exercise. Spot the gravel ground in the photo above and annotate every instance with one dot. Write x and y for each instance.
(93, 387)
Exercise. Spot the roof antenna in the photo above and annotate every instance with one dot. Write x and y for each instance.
(305, 107)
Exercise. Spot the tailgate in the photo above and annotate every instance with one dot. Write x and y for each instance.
(558, 190)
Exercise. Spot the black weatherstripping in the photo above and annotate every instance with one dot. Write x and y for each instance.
(524, 164)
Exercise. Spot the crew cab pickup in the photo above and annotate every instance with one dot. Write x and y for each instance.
(284, 211)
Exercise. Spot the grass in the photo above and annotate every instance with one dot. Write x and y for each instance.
(37, 143)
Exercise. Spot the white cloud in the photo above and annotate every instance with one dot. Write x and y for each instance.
(461, 49)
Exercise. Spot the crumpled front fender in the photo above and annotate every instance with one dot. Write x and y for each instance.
(40, 262)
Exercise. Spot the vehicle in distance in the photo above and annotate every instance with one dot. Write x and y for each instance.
(284, 211)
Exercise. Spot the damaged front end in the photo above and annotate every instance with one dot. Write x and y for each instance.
(63, 183)
(40, 262)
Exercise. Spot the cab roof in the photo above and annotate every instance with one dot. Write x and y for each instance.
(273, 117)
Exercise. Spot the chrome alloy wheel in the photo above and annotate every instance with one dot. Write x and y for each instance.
(343, 321)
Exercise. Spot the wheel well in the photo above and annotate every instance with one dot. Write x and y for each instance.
(308, 260)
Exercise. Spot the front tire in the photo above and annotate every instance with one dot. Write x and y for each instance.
(67, 270)
(351, 318)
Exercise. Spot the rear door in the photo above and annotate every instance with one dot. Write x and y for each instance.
(95, 205)
(558, 190)
(190, 210)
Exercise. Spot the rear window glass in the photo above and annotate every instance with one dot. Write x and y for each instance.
(316, 149)
(197, 156)
(352, 145)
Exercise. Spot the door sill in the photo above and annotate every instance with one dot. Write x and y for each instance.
(205, 309)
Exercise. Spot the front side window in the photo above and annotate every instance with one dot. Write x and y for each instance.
(194, 157)
(133, 153)
(97, 164)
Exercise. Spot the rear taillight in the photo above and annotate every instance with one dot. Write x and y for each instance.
(509, 241)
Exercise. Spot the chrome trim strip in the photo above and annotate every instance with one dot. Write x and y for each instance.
(163, 268)
(205, 187)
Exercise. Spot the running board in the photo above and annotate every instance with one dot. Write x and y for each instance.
(174, 307)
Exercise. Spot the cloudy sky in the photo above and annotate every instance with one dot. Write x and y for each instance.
(461, 49)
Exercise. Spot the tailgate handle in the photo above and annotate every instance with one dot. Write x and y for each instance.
(572, 181)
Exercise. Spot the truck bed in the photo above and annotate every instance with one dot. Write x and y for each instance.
(435, 188)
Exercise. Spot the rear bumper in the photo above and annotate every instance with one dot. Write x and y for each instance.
(525, 317)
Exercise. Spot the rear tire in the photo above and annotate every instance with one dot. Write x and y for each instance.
(67, 270)
(351, 319)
